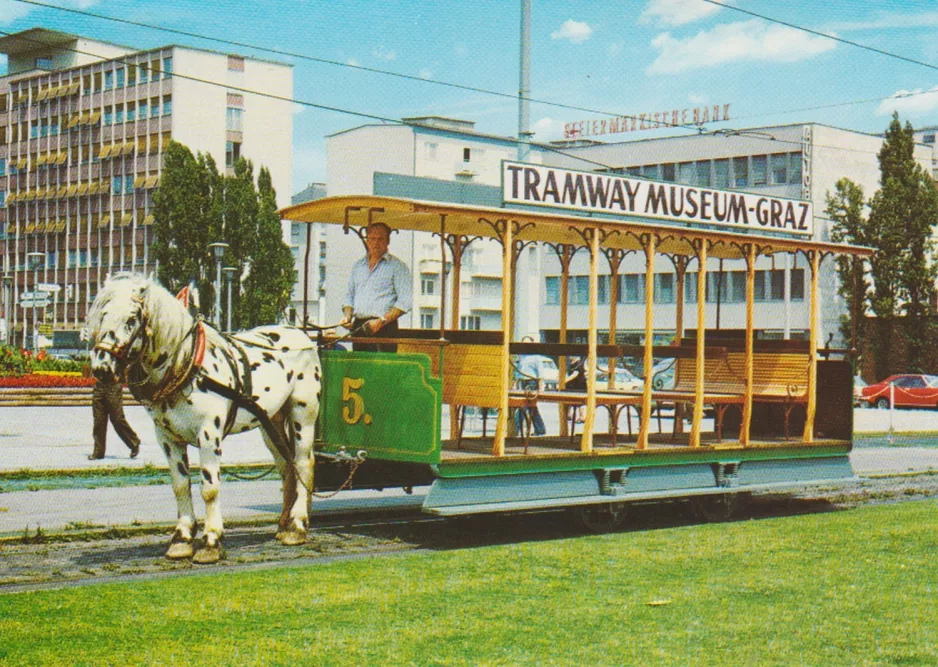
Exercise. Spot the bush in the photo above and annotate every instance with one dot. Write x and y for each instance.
(15, 361)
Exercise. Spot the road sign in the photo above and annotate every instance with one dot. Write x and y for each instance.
(34, 300)
(45, 329)
(48, 287)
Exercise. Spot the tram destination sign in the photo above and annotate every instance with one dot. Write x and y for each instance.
(539, 185)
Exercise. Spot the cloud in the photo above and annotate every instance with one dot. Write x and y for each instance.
(676, 12)
(696, 100)
(297, 109)
(547, 129)
(354, 62)
(11, 11)
(734, 42)
(574, 31)
(425, 73)
(909, 102)
(381, 53)
(615, 49)
(887, 21)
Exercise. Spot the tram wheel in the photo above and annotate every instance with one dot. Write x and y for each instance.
(602, 518)
(715, 508)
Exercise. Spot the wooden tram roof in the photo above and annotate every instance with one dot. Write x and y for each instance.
(621, 232)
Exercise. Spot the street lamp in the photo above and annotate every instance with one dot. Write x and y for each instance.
(33, 259)
(229, 272)
(7, 290)
(219, 250)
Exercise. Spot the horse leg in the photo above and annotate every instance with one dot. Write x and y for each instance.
(303, 421)
(287, 473)
(209, 452)
(180, 546)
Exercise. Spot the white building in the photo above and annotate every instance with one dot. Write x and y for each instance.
(83, 127)
(799, 161)
(370, 158)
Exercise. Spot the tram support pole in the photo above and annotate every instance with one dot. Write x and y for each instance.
(811, 408)
(701, 334)
(648, 240)
(746, 422)
(589, 419)
(501, 425)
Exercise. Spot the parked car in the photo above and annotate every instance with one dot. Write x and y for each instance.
(538, 366)
(662, 374)
(623, 379)
(911, 391)
(858, 384)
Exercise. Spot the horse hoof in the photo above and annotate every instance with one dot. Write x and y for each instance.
(208, 555)
(179, 551)
(292, 538)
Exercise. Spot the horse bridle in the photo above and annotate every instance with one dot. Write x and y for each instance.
(119, 352)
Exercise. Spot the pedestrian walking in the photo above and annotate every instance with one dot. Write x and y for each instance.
(107, 403)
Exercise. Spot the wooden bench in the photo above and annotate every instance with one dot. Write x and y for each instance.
(777, 377)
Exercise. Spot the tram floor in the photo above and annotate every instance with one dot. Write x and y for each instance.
(554, 445)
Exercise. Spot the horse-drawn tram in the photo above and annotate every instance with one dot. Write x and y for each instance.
(781, 410)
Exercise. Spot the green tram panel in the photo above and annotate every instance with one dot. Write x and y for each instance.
(385, 404)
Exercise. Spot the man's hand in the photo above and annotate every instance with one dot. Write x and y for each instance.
(347, 321)
(374, 325)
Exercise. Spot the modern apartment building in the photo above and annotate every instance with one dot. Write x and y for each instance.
(83, 128)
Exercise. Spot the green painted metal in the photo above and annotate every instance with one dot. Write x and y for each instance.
(386, 404)
(615, 459)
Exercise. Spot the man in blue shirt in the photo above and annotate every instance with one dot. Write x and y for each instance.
(380, 290)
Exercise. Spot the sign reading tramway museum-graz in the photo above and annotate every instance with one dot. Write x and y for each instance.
(538, 185)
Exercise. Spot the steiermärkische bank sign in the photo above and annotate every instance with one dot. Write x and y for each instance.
(538, 185)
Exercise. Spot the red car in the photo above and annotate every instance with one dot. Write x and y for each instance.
(911, 391)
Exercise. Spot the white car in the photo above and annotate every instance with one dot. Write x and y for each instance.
(623, 380)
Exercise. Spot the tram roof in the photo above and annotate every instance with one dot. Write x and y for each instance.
(549, 227)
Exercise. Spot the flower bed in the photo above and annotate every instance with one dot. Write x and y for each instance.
(45, 380)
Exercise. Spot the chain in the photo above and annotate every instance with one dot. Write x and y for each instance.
(347, 484)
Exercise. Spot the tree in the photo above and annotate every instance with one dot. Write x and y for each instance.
(196, 206)
(272, 275)
(902, 214)
(845, 208)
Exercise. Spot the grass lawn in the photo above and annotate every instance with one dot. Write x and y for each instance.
(857, 587)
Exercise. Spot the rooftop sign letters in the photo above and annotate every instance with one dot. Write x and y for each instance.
(651, 120)
(538, 185)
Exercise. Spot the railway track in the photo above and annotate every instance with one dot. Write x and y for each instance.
(38, 562)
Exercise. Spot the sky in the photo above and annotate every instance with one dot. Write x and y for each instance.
(615, 57)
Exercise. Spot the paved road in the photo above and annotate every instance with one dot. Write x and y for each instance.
(43, 438)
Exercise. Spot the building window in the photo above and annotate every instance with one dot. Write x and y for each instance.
(703, 173)
(232, 152)
(667, 172)
(466, 154)
(116, 184)
(120, 78)
(740, 172)
(721, 174)
(797, 284)
(132, 75)
(143, 73)
(690, 288)
(686, 174)
(664, 288)
(3, 198)
(552, 290)
(108, 116)
(431, 149)
(154, 107)
(131, 112)
(759, 170)
(119, 114)
(650, 171)
(322, 251)
(579, 291)
(928, 139)
(108, 80)
(44, 63)
(427, 285)
(470, 322)
(794, 172)
(633, 171)
(426, 320)
(167, 67)
(167, 104)
(128, 184)
(632, 288)
(780, 169)
(236, 63)
(602, 296)
(234, 119)
(3, 166)
(143, 108)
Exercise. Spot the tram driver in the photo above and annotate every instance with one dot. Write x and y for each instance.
(380, 290)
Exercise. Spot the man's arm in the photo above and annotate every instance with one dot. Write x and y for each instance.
(349, 309)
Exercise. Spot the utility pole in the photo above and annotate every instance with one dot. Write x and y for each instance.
(524, 88)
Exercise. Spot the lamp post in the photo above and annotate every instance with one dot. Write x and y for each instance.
(7, 296)
(33, 260)
(219, 250)
(229, 272)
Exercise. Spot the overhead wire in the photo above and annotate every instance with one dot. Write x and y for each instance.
(544, 146)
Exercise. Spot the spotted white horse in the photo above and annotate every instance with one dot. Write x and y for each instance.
(198, 386)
